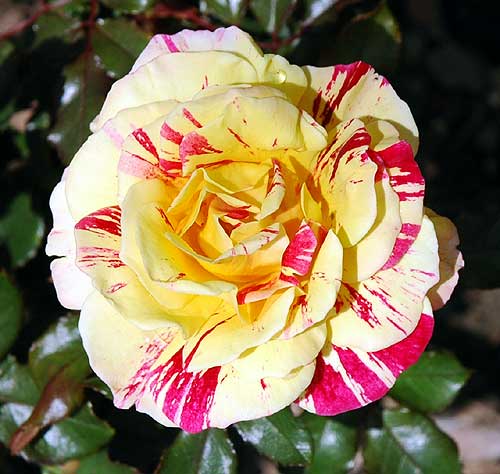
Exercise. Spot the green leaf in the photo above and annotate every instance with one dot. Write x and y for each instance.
(76, 9)
(128, 6)
(272, 14)
(59, 366)
(96, 384)
(432, 383)
(316, 9)
(21, 142)
(55, 24)
(207, 452)
(21, 230)
(117, 43)
(59, 398)
(6, 49)
(282, 437)
(409, 443)
(40, 121)
(229, 11)
(83, 94)
(334, 445)
(6, 112)
(16, 383)
(98, 463)
(75, 437)
(60, 346)
(10, 314)
(375, 40)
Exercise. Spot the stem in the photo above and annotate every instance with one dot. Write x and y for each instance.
(90, 23)
(188, 14)
(44, 8)
(277, 43)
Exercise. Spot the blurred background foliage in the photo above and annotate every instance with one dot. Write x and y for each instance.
(57, 61)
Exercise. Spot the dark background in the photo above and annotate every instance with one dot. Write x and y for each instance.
(444, 61)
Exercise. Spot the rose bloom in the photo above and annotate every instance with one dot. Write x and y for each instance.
(241, 234)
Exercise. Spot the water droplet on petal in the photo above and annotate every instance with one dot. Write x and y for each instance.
(281, 77)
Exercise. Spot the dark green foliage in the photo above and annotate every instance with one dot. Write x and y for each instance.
(334, 445)
(84, 91)
(281, 437)
(409, 443)
(10, 313)
(432, 383)
(74, 437)
(202, 453)
(21, 230)
(117, 43)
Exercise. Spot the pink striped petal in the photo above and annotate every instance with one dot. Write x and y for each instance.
(408, 183)
(385, 308)
(261, 291)
(147, 368)
(230, 39)
(329, 98)
(98, 239)
(184, 397)
(322, 288)
(275, 193)
(298, 256)
(348, 91)
(348, 378)
(346, 177)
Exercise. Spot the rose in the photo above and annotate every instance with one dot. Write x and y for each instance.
(241, 233)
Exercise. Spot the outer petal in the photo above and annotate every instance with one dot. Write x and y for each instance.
(355, 90)
(61, 240)
(450, 259)
(94, 167)
(271, 69)
(385, 309)
(278, 357)
(114, 346)
(147, 368)
(231, 40)
(98, 238)
(242, 396)
(72, 285)
(346, 379)
(192, 72)
(408, 183)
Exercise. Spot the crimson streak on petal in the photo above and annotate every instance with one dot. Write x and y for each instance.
(352, 75)
(346, 379)
(187, 396)
(408, 182)
(106, 220)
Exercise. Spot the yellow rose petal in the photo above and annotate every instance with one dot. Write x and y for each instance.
(385, 309)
